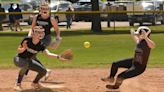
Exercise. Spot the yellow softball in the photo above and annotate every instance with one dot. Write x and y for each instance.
(87, 44)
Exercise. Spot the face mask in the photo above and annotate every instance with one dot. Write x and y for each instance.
(39, 31)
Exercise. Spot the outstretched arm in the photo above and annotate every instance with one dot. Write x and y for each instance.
(52, 55)
(49, 54)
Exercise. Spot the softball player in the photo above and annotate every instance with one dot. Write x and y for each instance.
(135, 65)
(47, 22)
(29, 47)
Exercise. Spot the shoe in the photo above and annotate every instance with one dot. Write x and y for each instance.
(18, 87)
(112, 86)
(37, 85)
(107, 79)
(47, 74)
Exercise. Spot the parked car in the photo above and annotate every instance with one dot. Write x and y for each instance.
(60, 6)
(145, 17)
(35, 3)
(85, 5)
(118, 6)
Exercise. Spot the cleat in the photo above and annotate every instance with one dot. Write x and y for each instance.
(47, 74)
(107, 79)
(37, 86)
(112, 86)
(18, 87)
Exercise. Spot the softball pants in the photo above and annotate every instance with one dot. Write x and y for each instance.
(30, 64)
(133, 70)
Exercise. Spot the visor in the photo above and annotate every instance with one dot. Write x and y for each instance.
(143, 28)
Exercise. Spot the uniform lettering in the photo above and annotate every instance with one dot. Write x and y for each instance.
(42, 23)
(31, 50)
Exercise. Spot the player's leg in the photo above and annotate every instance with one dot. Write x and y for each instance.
(27, 71)
(47, 41)
(23, 64)
(70, 22)
(48, 70)
(21, 74)
(19, 79)
(36, 66)
(67, 26)
(35, 58)
(16, 25)
(19, 25)
(11, 24)
(135, 70)
(125, 63)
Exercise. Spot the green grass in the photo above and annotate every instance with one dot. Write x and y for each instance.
(106, 48)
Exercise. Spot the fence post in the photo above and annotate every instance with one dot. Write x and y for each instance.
(108, 17)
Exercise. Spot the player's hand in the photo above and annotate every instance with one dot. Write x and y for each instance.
(145, 35)
(132, 31)
(56, 43)
(58, 38)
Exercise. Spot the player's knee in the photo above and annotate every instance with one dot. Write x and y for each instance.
(43, 72)
(140, 71)
(120, 76)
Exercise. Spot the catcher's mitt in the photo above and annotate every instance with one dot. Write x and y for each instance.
(66, 55)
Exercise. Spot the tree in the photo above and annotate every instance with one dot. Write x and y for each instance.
(96, 20)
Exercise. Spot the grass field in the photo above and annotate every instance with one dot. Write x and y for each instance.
(106, 48)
